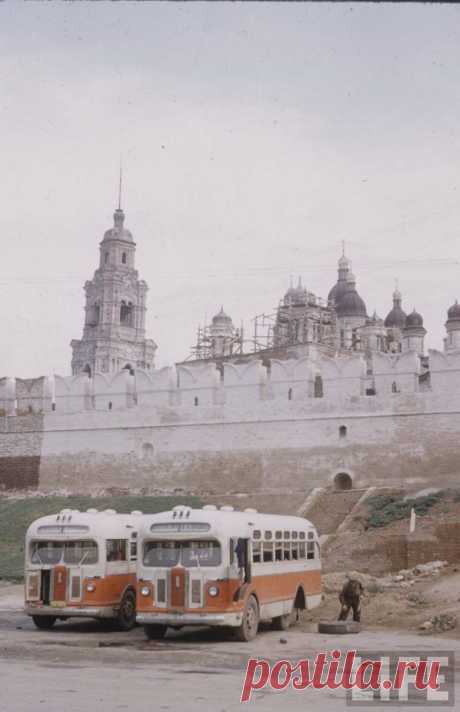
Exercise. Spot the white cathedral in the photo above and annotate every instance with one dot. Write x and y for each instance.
(306, 325)
(114, 335)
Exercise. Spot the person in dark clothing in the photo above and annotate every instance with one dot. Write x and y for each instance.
(240, 551)
(350, 598)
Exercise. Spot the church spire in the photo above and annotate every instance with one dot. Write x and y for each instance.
(119, 216)
(120, 184)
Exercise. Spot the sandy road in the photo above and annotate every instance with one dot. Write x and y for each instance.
(76, 666)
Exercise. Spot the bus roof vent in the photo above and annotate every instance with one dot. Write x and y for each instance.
(209, 508)
(136, 512)
(227, 508)
(110, 511)
(91, 511)
(249, 510)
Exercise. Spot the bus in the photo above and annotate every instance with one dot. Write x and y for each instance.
(220, 567)
(82, 564)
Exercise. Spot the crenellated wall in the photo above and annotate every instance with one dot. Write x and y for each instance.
(243, 427)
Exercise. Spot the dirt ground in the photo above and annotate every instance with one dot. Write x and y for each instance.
(76, 665)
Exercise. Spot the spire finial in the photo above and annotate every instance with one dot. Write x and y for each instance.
(120, 185)
(343, 248)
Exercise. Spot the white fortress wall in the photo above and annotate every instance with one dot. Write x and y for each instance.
(245, 433)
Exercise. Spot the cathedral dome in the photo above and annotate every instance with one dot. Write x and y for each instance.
(221, 317)
(118, 231)
(340, 287)
(414, 320)
(453, 312)
(350, 304)
(396, 318)
(337, 291)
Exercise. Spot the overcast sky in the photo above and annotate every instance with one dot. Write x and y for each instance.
(255, 138)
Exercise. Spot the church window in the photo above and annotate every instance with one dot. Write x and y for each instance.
(87, 370)
(123, 258)
(126, 313)
(343, 431)
(318, 390)
(95, 315)
(106, 257)
(394, 387)
(290, 394)
(370, 391)
(110, 405)
(195, 402)
(53, 406)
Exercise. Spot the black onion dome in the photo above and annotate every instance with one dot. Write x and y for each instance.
(351, 304)
(396, 318)
(454, 311)
(337, 291)
(414, 320)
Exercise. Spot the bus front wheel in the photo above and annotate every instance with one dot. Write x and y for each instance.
(44, 622)
(155, 632)
(126, 617)
(249, 626)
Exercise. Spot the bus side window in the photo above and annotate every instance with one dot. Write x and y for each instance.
(268, 550)
(279, 551)
(287, 551)
(310, 549)
(302, 551)
(133, 550)
(256, 553)
(295, 551)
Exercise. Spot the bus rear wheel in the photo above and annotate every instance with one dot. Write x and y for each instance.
(282, 622)
(126, 617)
(44, 622)
(247, 631)
(155, 631)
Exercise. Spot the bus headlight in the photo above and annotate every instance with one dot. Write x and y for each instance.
(90, 587)
(145, 591)
(213, 591)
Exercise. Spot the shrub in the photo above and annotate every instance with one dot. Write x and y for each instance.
(385, 509)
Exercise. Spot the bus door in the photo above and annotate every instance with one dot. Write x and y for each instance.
(59, 583)
(178, 581)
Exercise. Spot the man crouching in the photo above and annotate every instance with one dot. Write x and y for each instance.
(350, 597)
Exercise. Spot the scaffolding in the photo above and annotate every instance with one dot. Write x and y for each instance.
(203, 348)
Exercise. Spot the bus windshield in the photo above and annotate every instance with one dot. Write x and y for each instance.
(187, 553)
(70, 552)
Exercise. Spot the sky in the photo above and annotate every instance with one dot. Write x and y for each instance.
(255, 138)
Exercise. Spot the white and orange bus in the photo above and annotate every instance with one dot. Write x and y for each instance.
(225, 568)
(82, 564)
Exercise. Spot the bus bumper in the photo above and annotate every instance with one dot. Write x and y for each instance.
(69, 611)
(180, 619)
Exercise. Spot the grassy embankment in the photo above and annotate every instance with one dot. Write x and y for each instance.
(16, 515)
